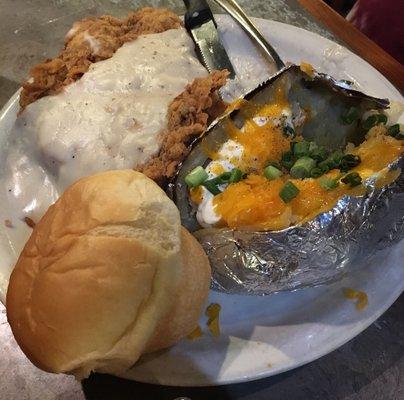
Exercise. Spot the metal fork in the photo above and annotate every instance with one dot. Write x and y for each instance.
(233, 9)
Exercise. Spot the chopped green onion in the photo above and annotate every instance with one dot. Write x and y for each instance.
(287, 164)
(275, 164)
(225, 177)
(328, 183)
(272, 173)
(373, 120)
(301, 149)
(348, 162)
(350, 116)
(370, 122)
(288, 192)
(382, 119)
(287, 156)
(337, 156)
(222, 178)
(332, 161)
(316, 172)
(319, 154)
(352, 179)
(196, 177)
(394, 130)
(235, 175)
(302, 168)
(211, 185)
(324, 167)
(288, 131)
(287, 160)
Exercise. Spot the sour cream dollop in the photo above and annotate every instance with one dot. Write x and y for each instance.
(230, 155)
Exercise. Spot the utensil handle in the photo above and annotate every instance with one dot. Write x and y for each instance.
(232, 8)
(198, 12)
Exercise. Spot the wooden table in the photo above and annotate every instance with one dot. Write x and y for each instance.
(357, 41)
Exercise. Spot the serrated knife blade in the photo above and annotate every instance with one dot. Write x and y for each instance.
(201, 25)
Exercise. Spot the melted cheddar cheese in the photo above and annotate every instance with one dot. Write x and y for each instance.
(260, 144)
(254, 203)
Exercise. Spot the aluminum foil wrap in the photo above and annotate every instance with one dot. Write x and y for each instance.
(317, 252)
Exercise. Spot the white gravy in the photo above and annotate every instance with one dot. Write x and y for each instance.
(109, 119)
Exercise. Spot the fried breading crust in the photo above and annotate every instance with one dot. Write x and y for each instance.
(188, 117)
(188, 114)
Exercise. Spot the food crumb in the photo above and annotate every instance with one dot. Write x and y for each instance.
(29, 222)
(212, 312)
(269, 365)
(8, 223)
(196, 195)
(307, 68)
(195, 334)
(360, 297)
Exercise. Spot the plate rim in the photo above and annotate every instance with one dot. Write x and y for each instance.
(273, 371)
(353, 332)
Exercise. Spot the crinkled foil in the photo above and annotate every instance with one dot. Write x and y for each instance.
(317, 252)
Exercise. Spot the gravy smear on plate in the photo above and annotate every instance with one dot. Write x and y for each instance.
(111, 118)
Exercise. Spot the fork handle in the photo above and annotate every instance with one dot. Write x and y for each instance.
(232, 8)
(198, 12)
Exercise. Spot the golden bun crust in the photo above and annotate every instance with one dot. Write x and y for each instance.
(190, 297)
(99, 272)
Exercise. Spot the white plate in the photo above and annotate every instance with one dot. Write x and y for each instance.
(262, 336)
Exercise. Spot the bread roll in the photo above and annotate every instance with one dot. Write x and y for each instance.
(100, 272)
(191, 295)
